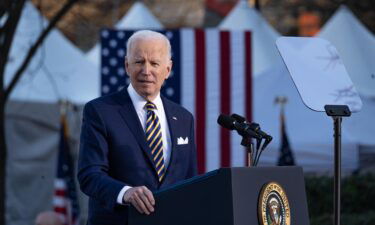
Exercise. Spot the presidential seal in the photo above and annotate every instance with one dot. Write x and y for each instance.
(273, 205)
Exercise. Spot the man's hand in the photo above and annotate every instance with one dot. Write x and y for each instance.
(141, 198)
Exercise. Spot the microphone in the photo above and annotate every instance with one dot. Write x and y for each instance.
(226, 121)
(238, 118)
(242, 129)
(241, 119)
(253, 126)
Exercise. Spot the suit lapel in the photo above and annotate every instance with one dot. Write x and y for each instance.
(131, 118)
(172, 119)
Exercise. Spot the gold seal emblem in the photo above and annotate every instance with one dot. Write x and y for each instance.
(273, 205)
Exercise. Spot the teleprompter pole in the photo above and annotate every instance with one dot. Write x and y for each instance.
(337, 112)
(337, 178)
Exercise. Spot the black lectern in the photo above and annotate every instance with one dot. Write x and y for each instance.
(227, 196)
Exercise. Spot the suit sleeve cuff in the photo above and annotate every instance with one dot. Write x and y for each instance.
(120, 196)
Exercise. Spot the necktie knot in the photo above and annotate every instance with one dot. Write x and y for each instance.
(150, 106)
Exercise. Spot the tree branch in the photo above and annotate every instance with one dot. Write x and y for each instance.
(6, 38)
(34, 48)
(4, 5)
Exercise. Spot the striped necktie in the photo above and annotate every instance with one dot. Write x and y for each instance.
(154, 139)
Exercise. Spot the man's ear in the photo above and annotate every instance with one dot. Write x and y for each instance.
(169, 68)
(126, 64)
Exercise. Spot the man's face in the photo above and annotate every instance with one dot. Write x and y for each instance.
(148, 66)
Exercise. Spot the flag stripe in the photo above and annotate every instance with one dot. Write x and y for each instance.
(59, 201)
(59, 183)
(237, 92)
(59, 192)
(225, 96)
(187, 73)
(248, 76)
(248, 80)
(213, 102)
(61, 210)
(200, 97)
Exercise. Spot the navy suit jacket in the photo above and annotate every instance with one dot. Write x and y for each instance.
(114, 153)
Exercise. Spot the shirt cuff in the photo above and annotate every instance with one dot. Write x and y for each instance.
(121, 194)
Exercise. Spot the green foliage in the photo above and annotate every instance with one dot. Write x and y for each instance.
(357, 200)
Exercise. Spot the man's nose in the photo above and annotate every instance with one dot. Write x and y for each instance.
(146, 68)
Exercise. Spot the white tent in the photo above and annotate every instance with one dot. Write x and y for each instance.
(57, 71)
(138, 17)
(361, 126)
(356, 46)
(310, 133)
(264, 53)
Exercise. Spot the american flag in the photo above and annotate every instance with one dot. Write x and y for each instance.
(65, 201)
(211, 74)
(286, 157)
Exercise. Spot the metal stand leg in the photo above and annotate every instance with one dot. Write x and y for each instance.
(337, 178)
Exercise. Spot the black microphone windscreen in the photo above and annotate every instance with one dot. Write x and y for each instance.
(226, 121)
(238, 118)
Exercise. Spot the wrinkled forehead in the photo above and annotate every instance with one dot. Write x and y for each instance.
(150, 42)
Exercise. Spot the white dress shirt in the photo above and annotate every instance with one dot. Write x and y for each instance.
(139, 104)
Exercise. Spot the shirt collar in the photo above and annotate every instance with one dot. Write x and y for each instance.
(139, 102)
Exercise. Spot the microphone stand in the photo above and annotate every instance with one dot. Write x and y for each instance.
(248, 144)
(253, 155)
(257, 155)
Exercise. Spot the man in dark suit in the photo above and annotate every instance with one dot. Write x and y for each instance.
(135, 141)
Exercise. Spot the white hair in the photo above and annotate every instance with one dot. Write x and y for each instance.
(148, 34)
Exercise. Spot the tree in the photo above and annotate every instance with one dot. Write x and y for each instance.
(10, 13)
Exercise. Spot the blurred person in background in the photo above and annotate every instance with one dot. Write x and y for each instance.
(48, 218)
(309, 23)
